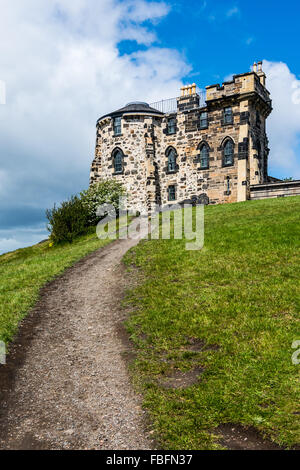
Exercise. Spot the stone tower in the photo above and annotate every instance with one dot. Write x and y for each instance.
(206, 147)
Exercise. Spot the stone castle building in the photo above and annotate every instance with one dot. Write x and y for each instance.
(204, 148)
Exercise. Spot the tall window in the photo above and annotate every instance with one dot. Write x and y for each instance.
(171, 160)
(228, 116)
(228, 186)
(171, 125)
(203, 120)
(259, 151)
(117, 126)
(118, 161)
(204, 156)
(258, 120)
(228, 153)
(172, 193)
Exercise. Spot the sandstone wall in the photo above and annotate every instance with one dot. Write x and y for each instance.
(279, 189)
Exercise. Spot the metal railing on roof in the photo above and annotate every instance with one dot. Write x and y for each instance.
(165, 106)
(170, 105)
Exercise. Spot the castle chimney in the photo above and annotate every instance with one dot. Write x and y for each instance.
(261, 74)
(259, 67)
(189, 98)
(255, 67)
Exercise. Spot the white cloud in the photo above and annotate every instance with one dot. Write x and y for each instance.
(62, 68)
(232, 12)
(283, 126)
(249, 40)
(221, 13)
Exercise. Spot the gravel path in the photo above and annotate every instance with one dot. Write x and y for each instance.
(66, 384)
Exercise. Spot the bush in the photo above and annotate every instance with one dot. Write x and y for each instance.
(105, 192)
(67, 221)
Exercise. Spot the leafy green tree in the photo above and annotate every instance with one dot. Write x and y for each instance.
(67, 221)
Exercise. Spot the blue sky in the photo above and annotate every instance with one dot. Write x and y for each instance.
(66, 63)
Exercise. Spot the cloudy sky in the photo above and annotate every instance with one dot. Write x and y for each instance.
(66, 62)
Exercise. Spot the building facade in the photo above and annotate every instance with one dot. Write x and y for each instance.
(205, 149)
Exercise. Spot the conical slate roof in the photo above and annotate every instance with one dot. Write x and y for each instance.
(136, 106)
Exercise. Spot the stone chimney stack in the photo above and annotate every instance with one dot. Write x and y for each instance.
(261, 74)
(189, 98)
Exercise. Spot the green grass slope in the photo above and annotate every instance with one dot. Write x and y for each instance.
(25, 271)
(238, 300)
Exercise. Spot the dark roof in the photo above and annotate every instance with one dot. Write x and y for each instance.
(136, 106)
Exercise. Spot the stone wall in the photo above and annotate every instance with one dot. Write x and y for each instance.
(278, 189)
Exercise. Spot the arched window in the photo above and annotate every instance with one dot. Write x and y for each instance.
(228, 152)
(172, 159)
(204, 156)
(118, 158)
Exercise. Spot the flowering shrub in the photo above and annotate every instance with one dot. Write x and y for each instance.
(105, 192)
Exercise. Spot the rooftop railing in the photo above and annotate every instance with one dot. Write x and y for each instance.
(165, 106)
(170, 105)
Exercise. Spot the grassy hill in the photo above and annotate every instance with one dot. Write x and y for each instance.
(213, 329)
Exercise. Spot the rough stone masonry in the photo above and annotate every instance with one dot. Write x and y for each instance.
(204, 148)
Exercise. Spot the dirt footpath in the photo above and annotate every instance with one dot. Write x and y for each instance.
(66, 384)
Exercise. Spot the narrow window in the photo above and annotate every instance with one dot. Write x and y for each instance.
(117, 126)
(171, 126)
(204, 156)
(228, 153)
(228, 117)
(258, 120)
(172, 193)
(118, 161)
(171, 160)
(228, 186)
(203, 120)
(259, 151)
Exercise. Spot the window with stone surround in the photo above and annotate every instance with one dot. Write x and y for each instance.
(118, 161)
(228, 152)
(118, 125)
(203, 120)
(172, 192)
(204, 156)
(171, 129)
(172, 160)
(227, 115)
